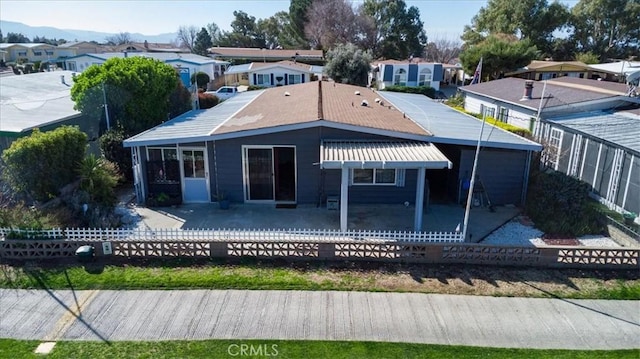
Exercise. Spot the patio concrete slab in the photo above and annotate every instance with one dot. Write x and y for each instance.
(440, 218)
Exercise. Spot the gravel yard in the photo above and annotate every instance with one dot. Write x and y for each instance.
(518, 233)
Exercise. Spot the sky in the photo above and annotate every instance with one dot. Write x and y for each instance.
(441, 18)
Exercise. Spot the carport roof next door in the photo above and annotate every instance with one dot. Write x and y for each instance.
(335, 154)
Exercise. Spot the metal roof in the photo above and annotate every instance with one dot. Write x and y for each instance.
(238, 69)
(620, 128)
(381, 154)
(195, 125)
(450, 126)
(35, 100)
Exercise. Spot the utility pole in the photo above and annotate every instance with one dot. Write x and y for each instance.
(106, 107)
(473, 179)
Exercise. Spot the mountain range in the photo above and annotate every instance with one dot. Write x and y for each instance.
(75, 35)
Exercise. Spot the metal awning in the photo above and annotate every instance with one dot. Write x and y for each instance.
(335, 154)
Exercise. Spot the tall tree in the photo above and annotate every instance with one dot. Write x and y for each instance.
(187, 36)
(535, 20)
(399, 31)
(214, 32)
(608, 28)
(244, 32)
(500, 54)
(202, 43)
(442, 50)
(348, 64)
(295, 37)
(119, 38)
(137, 91)
(271, 29)
(330, 22)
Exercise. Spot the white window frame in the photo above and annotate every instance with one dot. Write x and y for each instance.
(163, 156)
(373, 177)
(400, 77)
(263, 79)
(503, 114)
(555, 145)
(425, 77)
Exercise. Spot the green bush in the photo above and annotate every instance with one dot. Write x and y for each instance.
(255, 87)
(99, 177)
(39, 164)
(113, 150)
(201, 79)
(560, 205)
(207, 100)
(422, 90)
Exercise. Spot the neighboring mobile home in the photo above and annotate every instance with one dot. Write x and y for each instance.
(271, 74)
(406, 73)
(310, 142)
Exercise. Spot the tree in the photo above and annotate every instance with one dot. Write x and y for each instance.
(588, 58)
(99, 177)
(294, 33)
(271, 29)
(348, 64)
(244, 32)
(330, 22)
(442, 50)
(535, 20)
(201, 79)
(179, 101)
(187, 36)
(16, 38)
(214, 32)
(137, 90)
(399, 32)
(119, 39)
(608, 28)
(202, 43)
(500, 54)
(39, 164)
(207, 100)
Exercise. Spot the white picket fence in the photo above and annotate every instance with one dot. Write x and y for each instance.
(250, 235)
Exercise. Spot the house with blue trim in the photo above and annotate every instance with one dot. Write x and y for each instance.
(272, 74)
(406, 73)
(311, 142)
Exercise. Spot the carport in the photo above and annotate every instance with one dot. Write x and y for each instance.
(381, 155)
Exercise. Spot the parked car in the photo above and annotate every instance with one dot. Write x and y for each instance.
(224, 92)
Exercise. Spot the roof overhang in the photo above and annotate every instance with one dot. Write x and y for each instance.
(336, 154)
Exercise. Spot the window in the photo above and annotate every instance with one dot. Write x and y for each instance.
(553, 148)
(400, 78)
(503, 116)
(22, 53)
(193, 163)
(425, 78)
(488, 111)
(294, 79)
(72, 65)
(37, 53)
(263, 79)
(374, 177)
(49, 52)
(163, 165)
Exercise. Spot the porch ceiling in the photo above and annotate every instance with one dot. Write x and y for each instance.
(381, 154)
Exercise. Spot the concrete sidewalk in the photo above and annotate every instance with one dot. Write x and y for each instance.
(392, 317)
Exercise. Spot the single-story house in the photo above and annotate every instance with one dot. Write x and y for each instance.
(621, 69)
(75, 48)
(150, 47)
(40, 100)
(311, 142)
(271, 74)
(600, 148)
(406, 73)
(187, 64)
(239, 55)
(519, 102)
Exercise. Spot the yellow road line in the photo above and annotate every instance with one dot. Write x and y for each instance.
(70, 316)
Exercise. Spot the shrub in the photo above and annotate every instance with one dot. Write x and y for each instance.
(99, 177)
(255, 87)
(201, 79)
(39, 164)
(422, 90)
(560, 205)
(113, 150)
(207, 100)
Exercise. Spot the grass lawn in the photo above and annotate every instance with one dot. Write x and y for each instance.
(17, 349)
(201, 274)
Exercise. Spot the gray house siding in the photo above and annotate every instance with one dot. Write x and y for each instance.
(501, 172)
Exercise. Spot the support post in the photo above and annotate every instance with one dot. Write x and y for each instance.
(344, 198)
(417, 222)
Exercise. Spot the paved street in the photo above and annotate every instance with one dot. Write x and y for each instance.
(394, 317)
